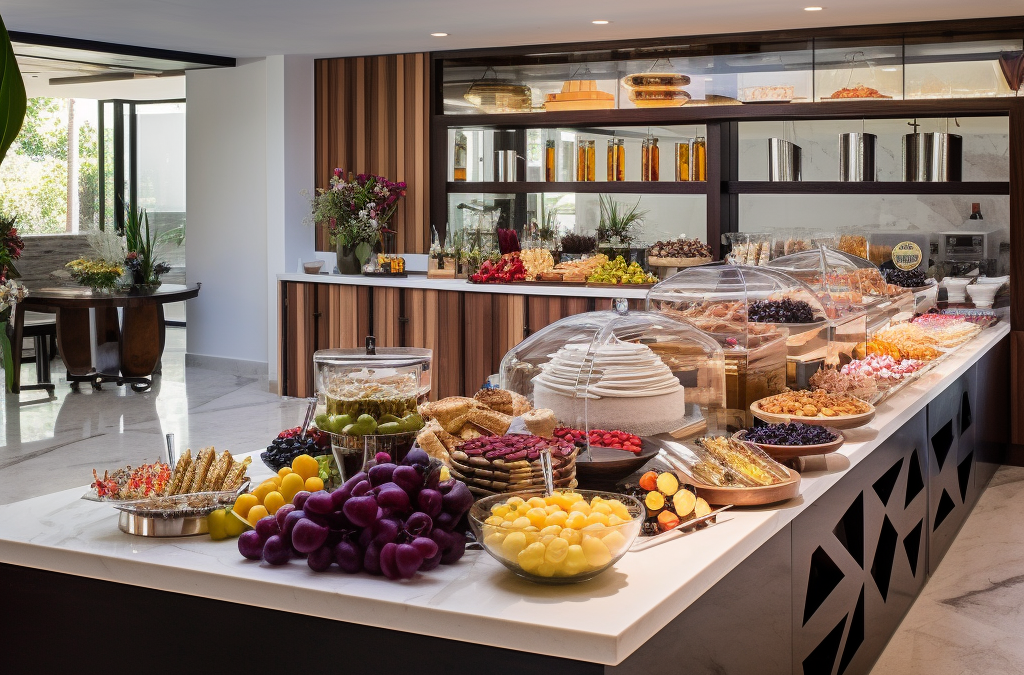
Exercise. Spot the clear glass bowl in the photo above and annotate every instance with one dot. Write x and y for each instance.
(600, 547)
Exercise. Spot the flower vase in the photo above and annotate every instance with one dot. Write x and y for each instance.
(347, 261)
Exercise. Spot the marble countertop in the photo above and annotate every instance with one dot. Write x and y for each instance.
(477, 600)
(421, 281)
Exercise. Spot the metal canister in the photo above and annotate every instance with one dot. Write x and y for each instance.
(933, 157)
(784, 162)
(504, 166)
(857, 156)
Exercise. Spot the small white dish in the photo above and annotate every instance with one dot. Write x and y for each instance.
(983, 295)
(955, 288)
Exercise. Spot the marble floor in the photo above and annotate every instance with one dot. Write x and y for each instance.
(966, 622)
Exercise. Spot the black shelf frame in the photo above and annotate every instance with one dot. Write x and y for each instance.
(867, 188)
(590, 187)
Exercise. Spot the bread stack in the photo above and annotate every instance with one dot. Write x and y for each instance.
(207, 472)
(657, 90)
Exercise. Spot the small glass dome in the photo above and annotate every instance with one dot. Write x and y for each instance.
(638, 372)
(373, 381)
(773, 328)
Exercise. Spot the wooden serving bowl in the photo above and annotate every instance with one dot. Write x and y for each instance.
(788, 452)
(747, 496)
(838, 422)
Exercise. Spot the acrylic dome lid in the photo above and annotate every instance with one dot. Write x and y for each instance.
(640, 372)
(734, 302)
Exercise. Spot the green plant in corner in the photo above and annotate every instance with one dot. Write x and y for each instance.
(13, 103)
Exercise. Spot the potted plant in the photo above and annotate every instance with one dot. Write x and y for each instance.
(357, 211)
(140, 245)
(615, 231)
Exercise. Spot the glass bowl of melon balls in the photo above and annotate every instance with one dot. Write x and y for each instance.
(566, 537)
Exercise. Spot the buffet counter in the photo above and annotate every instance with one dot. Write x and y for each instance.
(626, 616)
(468, 326)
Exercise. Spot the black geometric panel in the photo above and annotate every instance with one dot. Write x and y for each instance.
(912, 545)
(915, 479)
(942, 441)
(821, 660)
(884, 485)
(822, 579)
(963, 471)
(946, 506)
(850, 529)
(885, 555)
(855, 637)
(965, 413)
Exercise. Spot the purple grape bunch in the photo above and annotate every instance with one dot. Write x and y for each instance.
(794, 433)
(780, 311)
(392, 520)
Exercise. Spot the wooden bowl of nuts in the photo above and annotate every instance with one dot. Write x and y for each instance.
(818, 407)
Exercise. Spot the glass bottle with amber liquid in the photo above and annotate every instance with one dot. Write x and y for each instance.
(655, 159)
(620, 159)
(461, 144)
(613, 160)
(645, 159)
(549, 161)
(700, 159)
(683, 161)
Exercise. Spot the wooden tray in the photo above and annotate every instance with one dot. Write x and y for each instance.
(746, 496)
(594, 284)
(677, 262)
(787, 452)
(838, 422)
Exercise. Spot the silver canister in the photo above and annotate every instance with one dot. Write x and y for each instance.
(504, 166)
(933, 157)
(857, 156)
(784, 162)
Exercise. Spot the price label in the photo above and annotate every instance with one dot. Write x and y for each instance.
(907, 255)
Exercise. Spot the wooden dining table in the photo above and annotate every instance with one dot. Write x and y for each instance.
(97, 342)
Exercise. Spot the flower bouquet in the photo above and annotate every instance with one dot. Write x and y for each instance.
(357, 210)
(99, 275)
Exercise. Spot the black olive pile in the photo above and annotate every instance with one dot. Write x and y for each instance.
(906, 278)
(795, 433)
(780, 311)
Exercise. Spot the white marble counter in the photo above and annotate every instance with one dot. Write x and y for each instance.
(477, 600)
(421, 281)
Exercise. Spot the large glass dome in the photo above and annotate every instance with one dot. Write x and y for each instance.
(638, 372)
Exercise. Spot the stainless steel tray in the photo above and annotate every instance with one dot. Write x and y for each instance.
(147, 526)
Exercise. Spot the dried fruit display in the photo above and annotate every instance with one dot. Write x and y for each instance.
(667, 501)
(618, 272)
(906, 278)
(727, 462)
(680, 248)
(780, 311)
(507, 270)
(512, 447)
(854, 245)
(794, 433)
(855, 383)
(909, 340)
(536, 261)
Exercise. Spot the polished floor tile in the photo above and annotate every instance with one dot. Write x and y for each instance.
(969, 618)
(52, 443)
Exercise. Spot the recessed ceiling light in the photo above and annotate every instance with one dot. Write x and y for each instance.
(600, 22)
(813, 9)
(439, 35)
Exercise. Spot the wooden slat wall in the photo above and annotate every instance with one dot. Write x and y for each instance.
(372, 116)
(386, 314)
(544, 311)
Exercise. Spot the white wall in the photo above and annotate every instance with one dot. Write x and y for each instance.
(290, 159)
(226, 186)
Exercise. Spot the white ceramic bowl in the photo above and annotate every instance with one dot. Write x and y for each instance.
(955, 287)
(982, 295)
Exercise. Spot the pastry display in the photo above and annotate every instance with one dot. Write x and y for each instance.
(854, 245)
(678, 253)
(564, 535)
(579, 95)
(855, 382)
(729, 463)
(626, 386)
(859, 91)
(536, 261)
(658, 98)
(392, 520)
(618, 272)
(668, 502)
(499, 96)
(793, 433)
(948, 332)
(909, 341)
(575, 270)
(503, 401)
(818, 403)
(541, 422)
(751, 252)
(656, 81)
(767, 93)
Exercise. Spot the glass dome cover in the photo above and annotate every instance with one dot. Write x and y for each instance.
(638, 372)
(373, 381)
(841, 279)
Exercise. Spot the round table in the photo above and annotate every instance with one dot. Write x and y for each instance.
(125, 350)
